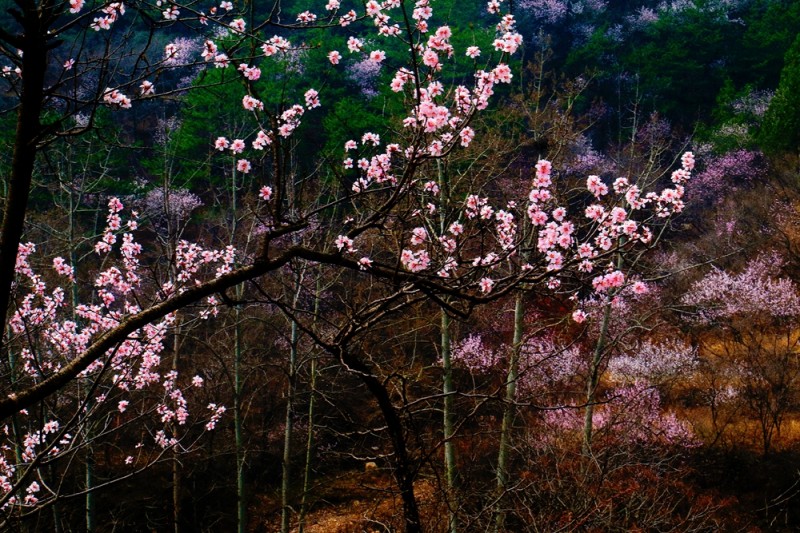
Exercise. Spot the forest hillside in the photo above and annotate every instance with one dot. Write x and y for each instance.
(420, 266)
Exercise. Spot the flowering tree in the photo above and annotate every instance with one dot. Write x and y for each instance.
(83, 84)
(754, 310)
(72, 63)
(726, 173)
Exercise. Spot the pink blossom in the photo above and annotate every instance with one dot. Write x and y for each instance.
(63, 269)
(243, 166)
(345, 243)
(251, 73)
(114, 205)
(608, 281)
(486, 285)
(431, 187)
(372, 138)
(312, 98)
(422, 12)
(466, 135)
(618, 215)
(415, 261)
(252, 104)
(114, 97)
(238, 25)
(237, 146)
(221, 143)
(209, 50)
(147, 88)
(306, 17)
(431, 59)
(216, 415)
(544, 167)
(502, 73)
(354, 44)
(347, 18)
(596, 186)
(508, 43)
(221, 61)
(262, 139)
(418, 235)
(687, 160)
(171, 13)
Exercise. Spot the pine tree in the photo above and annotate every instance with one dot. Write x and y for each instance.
(781, 128)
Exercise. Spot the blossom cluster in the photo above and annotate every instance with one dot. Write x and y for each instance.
(629, 415)
(62, 329)
(653, 362)
(756, 291)
(611, 220)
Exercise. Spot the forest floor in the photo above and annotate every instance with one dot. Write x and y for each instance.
(356, 502)
(755, 492)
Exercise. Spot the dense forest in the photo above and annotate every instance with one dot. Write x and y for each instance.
(440, 266)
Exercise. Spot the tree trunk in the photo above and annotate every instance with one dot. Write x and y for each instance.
(403, 468)
(34, 44)
(509, 410)
(594, 369)
(90, 499)
(309, 448)
(449, 418)
(241, 503)
(594, 378)
(310, 435)
(290, 400)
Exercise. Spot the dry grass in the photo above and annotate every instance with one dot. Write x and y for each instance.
(739, 431)
(358, 502)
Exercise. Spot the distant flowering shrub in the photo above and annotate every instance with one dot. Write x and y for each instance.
(653, 362)
(725, 173)
(549, 11)
(754, 293)
(474, 355)
(630, 415)
(365, 74)
(175, 207)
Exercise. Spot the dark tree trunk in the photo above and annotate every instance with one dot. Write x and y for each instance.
(34, 44)
(403, 468)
